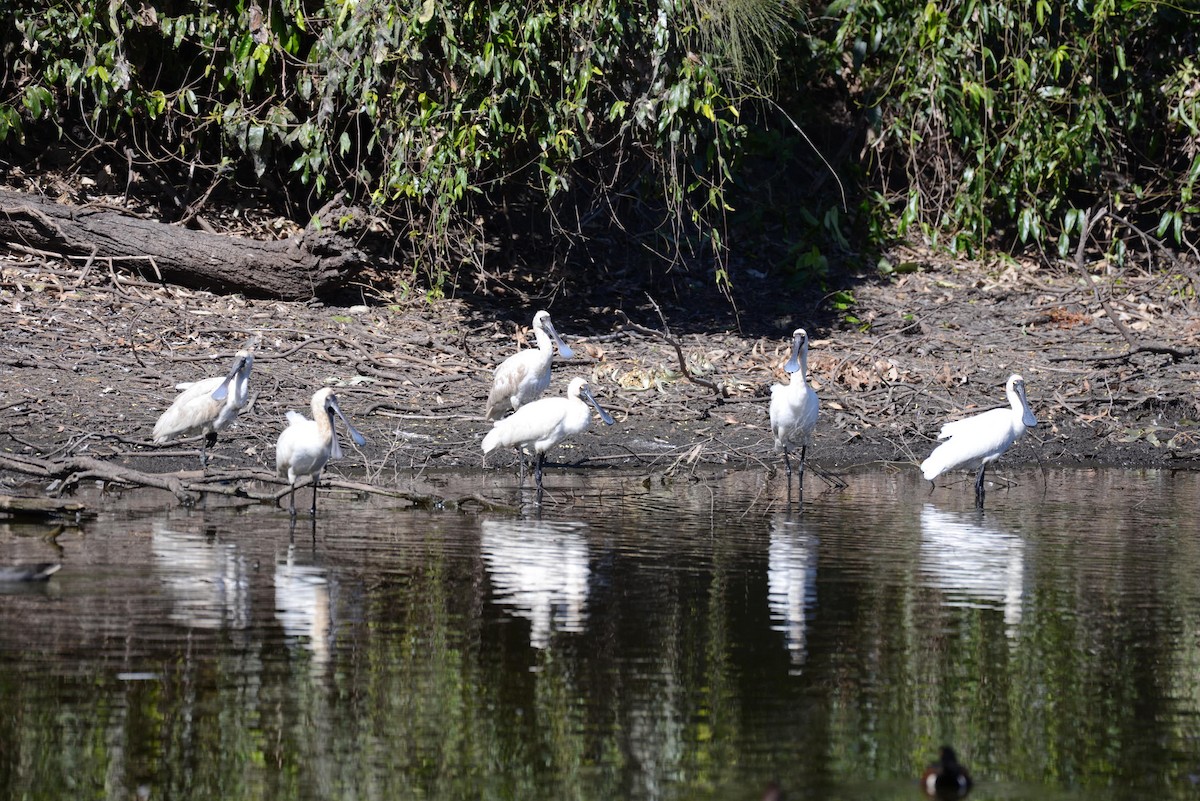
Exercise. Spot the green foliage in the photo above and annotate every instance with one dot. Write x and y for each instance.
(988, 124)
(433, 111)
(992, 120)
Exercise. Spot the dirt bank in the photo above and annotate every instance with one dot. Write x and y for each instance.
(90, 360)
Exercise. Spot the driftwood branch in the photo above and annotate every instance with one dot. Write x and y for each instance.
(666, 336)
(188, 486)
(74, 469)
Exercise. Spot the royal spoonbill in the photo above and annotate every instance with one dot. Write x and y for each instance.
(306, 445)
(524, 376)
(794, 406)
(207, 406)
(982, 438)
(542, 424)
(946, 778)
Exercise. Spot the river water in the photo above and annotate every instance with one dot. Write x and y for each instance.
(629, 639)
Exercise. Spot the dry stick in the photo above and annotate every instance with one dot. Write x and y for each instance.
(665, 336)
(1149, 241)
(87, 266)
(1089, 222)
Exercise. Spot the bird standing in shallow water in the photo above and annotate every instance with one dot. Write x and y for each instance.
(207, 406)
(794, 406)
(982, 438)
(946, 778)
(524, 376)
(541, 425)
(306, 445)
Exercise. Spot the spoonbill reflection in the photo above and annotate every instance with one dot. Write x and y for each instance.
(302, 606)
(973, 564)
(791, 582)
(207, 406)
(541, 425)
(208, 580)
(524, 376)
(982, 438)
(794, 406)
(539, 570)
(306, 445)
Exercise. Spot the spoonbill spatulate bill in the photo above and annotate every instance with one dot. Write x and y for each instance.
(524, 376)
(305, 446)
(207, 406)
(983, 438)
(794, 406)
(539, 426)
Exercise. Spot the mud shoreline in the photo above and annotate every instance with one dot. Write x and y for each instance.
(90, 361)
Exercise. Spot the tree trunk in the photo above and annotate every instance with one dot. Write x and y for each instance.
(312, 265)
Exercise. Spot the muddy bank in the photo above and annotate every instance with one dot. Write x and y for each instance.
(90, 360)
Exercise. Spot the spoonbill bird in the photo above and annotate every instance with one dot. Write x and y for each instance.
(542, 424)
(524, 376)
(207, 406)
(306, 445)
(946, 778)
(982, 438)
(794, 406)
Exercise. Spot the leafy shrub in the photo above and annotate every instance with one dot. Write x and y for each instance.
(991, 121)
(988, 124)
(429, 110)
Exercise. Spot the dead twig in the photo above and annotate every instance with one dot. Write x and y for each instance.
(1090, 219)
(666, 336)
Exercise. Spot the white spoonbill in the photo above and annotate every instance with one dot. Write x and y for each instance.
(306, 445)
(794, 406)
(207, 406)
(541, 425)
(982, 438)
(524, 376)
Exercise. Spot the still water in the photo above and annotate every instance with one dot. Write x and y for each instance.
(630, 640)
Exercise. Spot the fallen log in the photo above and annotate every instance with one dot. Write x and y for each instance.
(23, 506)
(314, 264)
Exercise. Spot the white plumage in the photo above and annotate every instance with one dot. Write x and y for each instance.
(794, 406)
(207, 406)
(524, 376)
(542, 424)
(305, 446)
(983, 438)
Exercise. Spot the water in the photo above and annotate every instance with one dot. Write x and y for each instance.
(634, 640)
